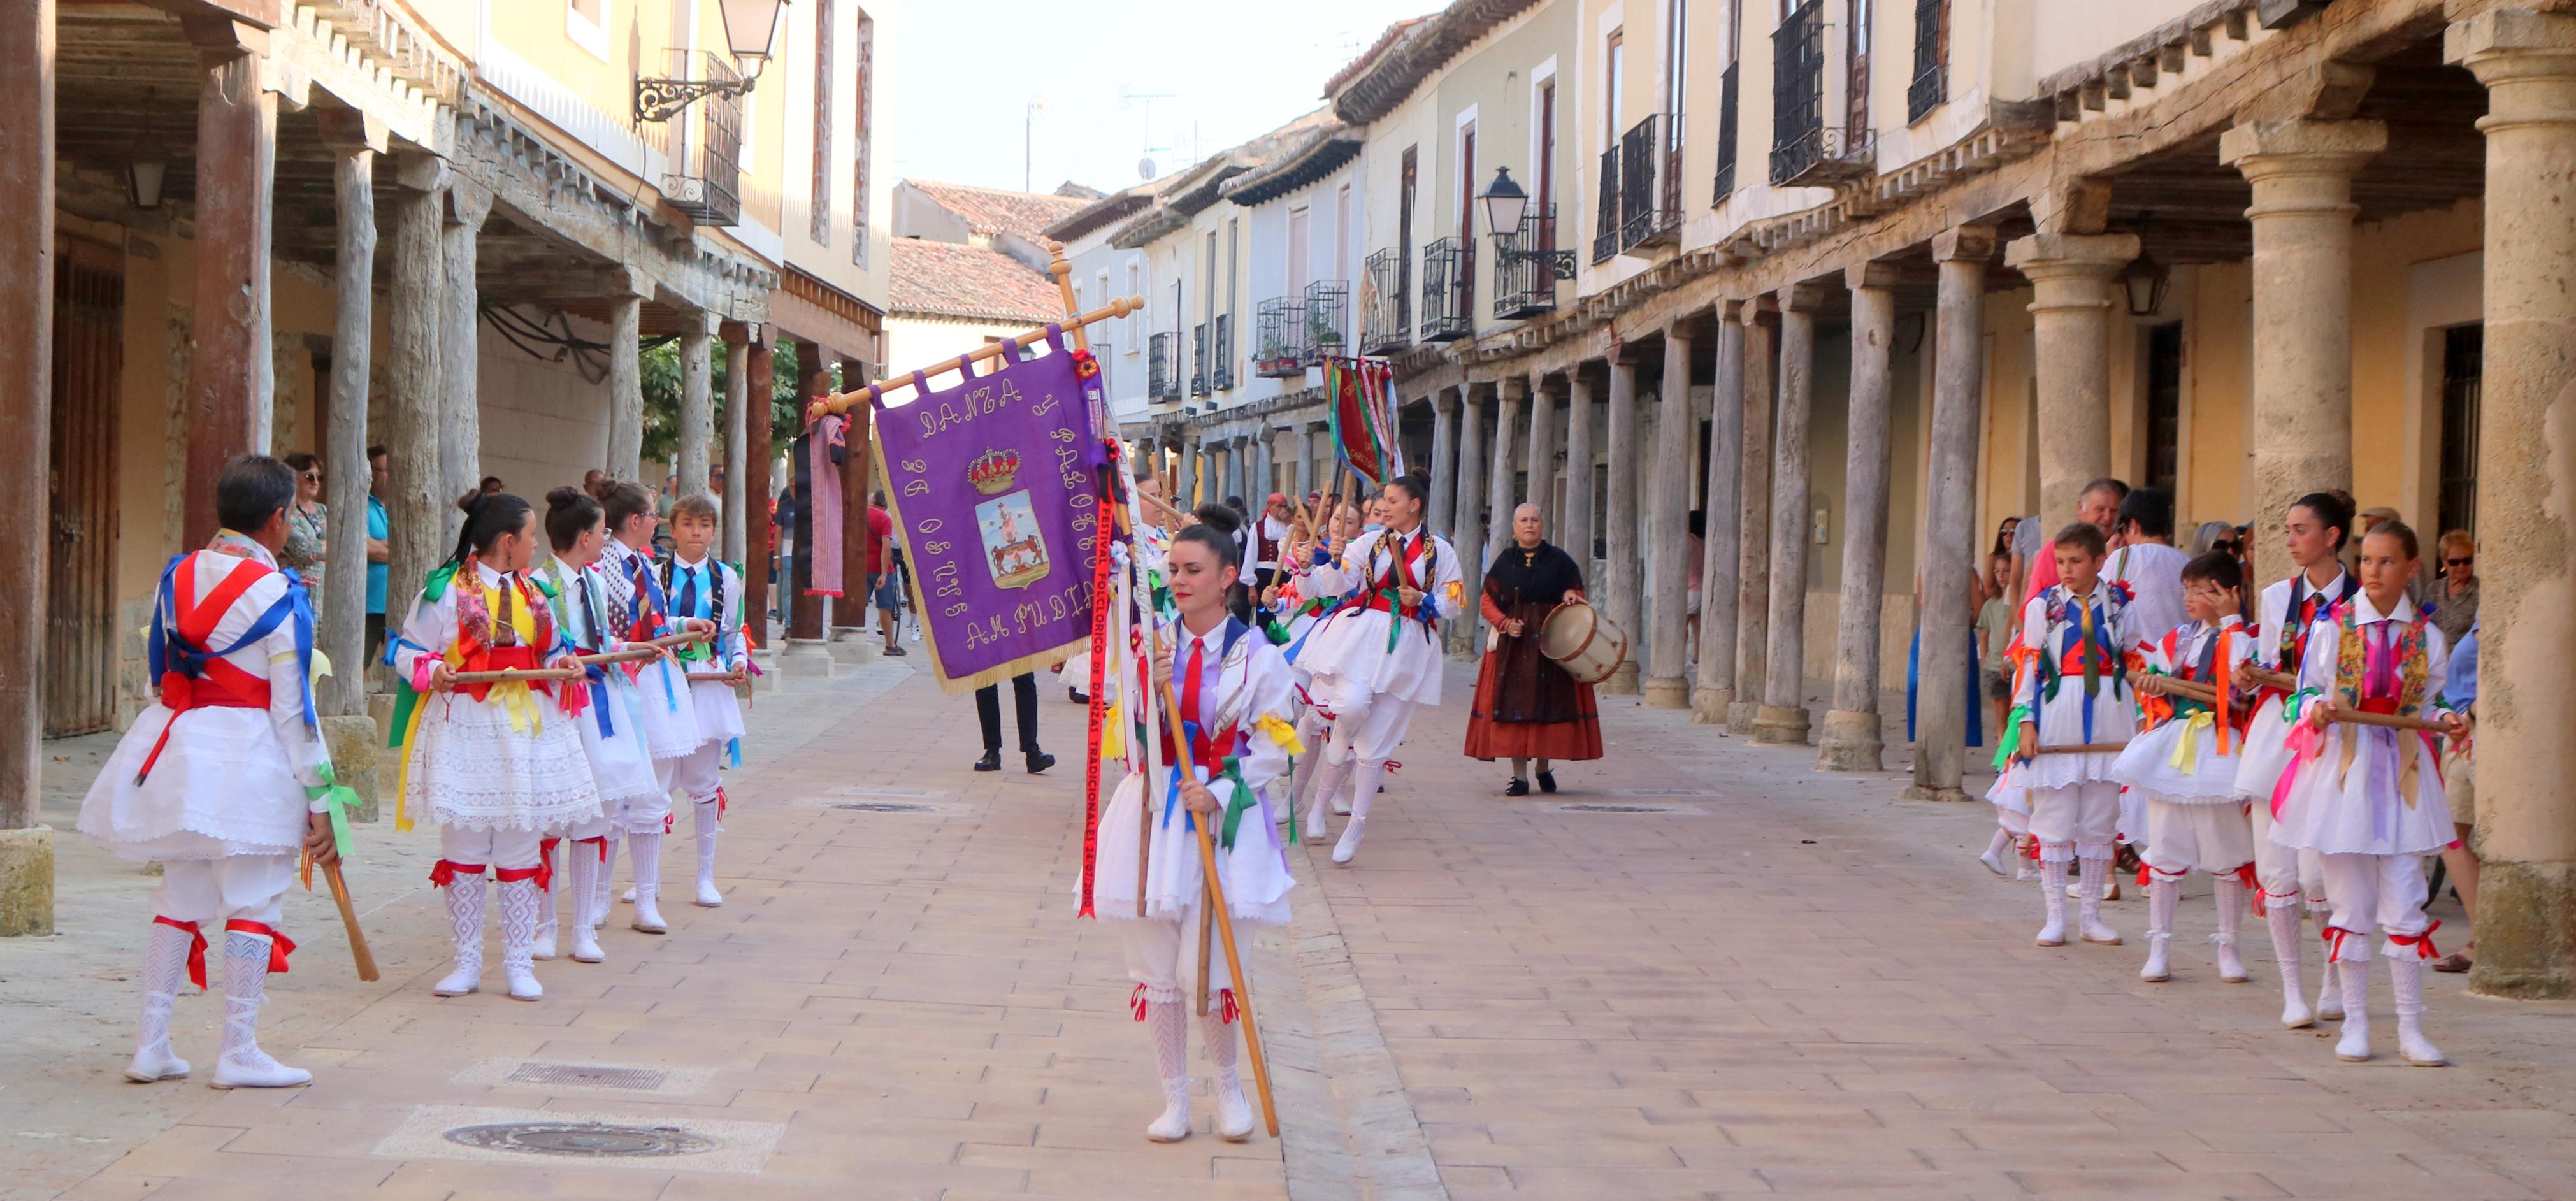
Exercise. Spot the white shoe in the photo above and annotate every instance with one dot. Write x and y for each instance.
(2295, 1014)
(2352, 979)
(1174, 1125)
(708, 897)
(585, 945)
(1233, 1114)
(648, 918)
(627, 897)
(156, 1063)
(2052, 933)
(2329, 1006)
(543, 946)
(1994, 863)
(2412, 1044)
(2230, 968)
(459, 982)
(523, 985)
(1342, 806)
(2159, 966)
(261, 1072)
(2095, 932)
(1349, 846)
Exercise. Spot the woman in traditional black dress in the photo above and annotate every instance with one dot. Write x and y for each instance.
(1526, 706)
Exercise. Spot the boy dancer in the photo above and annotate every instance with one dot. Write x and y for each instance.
(225, 777)
(637, 606)
(2070, 693)
(2369, 798)
(702, 588)
(2184, 765)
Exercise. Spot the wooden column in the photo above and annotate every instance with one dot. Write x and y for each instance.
(460, 388)
(1576, 534)
(415, 502)
(26, 324)
(1469, 540)
(1949, 553)
(758, 486)
(697, 399)
(1753, 519)
(229, 371)
(626, 388)
(344, 593)
(1540, 463)
(1501, 497)
(804, 609)
(1443, 466)
(1851, 739)
(1783, 717)
(1722, 552)
(737, 391)
(1620, 523)
(857, 477)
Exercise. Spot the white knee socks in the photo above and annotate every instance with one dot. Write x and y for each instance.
(2406, 981)
(1168, 1023)
(2052, 895)
(2281, 916)
(647, 852)
(1233, 1115)
(243, 1064)
(1365, 775)
(543, 946)
(582, 861)
(465, 924)
(165, 964)
(2096, 877)
(707, 814)
(2231, 910)
(519, 903)
(1331, 781)
(2164, 896)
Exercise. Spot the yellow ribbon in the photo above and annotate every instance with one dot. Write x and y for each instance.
(514, 697)
(1282, 733)
(2191, 727)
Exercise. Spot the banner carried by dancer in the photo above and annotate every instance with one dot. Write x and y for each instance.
(1362, 417)
(994, 488)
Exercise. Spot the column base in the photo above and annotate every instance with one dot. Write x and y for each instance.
(1851, 742)
(352, 742)
(764, 662)
(26, 881)
(1779, 725)
(380, 709)
(2526, 931)
(1925, 792)
(1708, 706)
(1740, 717)
(805, 657)
(1667, 692)
(854, 647)
(1622, 681)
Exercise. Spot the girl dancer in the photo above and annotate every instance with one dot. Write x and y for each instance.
(2184, 765)
(2315, 535)
(621, 762)
(1234, 695)
(668, 713)
(487, 762)
(213, 780)
(2069, 693)
(1379, 654)
(2369, 798)
(1314, 721)
(704, 589)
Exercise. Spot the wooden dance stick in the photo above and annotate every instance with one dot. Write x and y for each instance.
(2250, 676)
(2206, 694)
(1216, 899)
(2081, 748)
(2387, 721)
(1207, 936)
(519, 674)
(349, 921)
(632, 654)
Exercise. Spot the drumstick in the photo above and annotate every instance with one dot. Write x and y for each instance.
(517, 674)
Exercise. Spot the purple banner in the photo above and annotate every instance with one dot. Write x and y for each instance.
(993, 485)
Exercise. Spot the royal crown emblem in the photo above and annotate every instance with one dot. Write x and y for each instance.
(992, 472)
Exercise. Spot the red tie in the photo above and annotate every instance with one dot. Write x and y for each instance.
(1190, 693)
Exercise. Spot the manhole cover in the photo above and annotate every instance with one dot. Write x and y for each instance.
(1598, 808)
(863, 791)
(582, 1140)
(884, 807)
(1660, 792)
(582, 1076)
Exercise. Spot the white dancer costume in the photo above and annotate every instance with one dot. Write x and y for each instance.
(2184, 766)
(213, 781)
(638, 606)
(2070, 688)
(1375, 659)
(2370, 800)
(495, 765)
(2292, 881)
(612, 738)
(712, 591)
(1233, 689)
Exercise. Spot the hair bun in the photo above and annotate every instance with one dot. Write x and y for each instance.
(565, 495)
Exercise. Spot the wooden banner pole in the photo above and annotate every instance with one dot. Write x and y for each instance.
(843, 402)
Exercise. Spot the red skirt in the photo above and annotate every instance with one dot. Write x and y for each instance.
(1561, 741)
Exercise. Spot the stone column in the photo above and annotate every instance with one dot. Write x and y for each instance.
(1500, 495)
(1259, 495)
(1443, 466)
(737, 390)
(1753, 522)
(1949, 548)
(1539, 463)
(413, 509)
(460, 403)
(26, 323)
(697, 398)
(1714, 689)
(1468, 535)
(2526, 827)
(626, 388)
(1668, 527)
(2301, 418)
(2070, 280)
(1185, 495)
(1783, 717)
(1619, 525)
(1303, 478)
(760, 380)
(230, 381)
(343, 620)
(1851, 738)
(1575, 534)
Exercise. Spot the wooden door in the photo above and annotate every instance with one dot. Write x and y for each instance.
(80, 605)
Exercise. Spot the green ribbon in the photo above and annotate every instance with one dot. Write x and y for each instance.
(2012, 736)
(2291, 704)
(338, 798)
(1234, 806)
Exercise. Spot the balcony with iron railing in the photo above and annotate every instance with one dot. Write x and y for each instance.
(1806, 151)
(1449, 290)
(1328, 306)
(1386, 302)
(1931, 59)
(1222, 372)
(707, 184)
(1162, 375)
(1199, 359)
(1605, 214)
(1279, 338)
(1527, 266)
(1650, 191)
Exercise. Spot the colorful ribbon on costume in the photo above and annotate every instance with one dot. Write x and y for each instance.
(279, 945)
(196, 948)
(2423, 942)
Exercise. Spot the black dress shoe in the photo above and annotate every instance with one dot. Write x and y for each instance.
(992, 761)
(1040, 761)
(1518, 787)
(1547, 781)
(1075, 695)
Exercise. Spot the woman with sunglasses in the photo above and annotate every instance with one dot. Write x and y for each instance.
(2455, 601)
(307, 523)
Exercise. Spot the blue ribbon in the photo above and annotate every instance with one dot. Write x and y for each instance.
(168, 652)
(599, 699)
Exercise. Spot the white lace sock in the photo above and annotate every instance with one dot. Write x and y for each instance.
(165, 965)
(2231, 914)
(2091, 887)
(646, 850)
(550, 909)
(707, 830)
(604, 882)
(1365, 775)
(519, 902)
(1233, 1115)
(465, 924)
(1331, 780)
(2281, 917)
(2164, 897)
(246, 958)
(581, 863)
(2052, 895)
(2406, 983)
(1168, 1023)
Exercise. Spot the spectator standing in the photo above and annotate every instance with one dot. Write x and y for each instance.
(885, 584)
(380, 528)
(307, 526)
(2455, 611)
(2147, 566)
(2459, 778)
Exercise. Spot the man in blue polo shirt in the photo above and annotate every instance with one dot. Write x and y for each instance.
(379, 552)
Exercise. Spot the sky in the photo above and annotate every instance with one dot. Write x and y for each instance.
(1116, 81)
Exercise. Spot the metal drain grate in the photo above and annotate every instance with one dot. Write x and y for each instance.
(582, 1140)
(871, 791)
(884, 807)
(576, 1075)
(1600, 808)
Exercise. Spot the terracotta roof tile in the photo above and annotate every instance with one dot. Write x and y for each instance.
(992, 210)
(950, 279)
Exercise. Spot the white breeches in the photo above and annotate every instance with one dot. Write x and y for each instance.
(2214, 838)
(233, 888)
(2375, 893)
(1163, 955)
(2284, 872)
(505, 850)
(2084, 815)
(696, 775)
(1369, 731)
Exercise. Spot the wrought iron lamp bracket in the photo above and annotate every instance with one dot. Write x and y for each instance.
(1559, 263)
(658, 100)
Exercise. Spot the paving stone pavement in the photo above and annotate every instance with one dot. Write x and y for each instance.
(1785, 982)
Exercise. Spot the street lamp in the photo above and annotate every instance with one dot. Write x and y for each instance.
(1506, 205)
(751, 26)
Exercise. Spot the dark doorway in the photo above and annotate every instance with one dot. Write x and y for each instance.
(80, 605)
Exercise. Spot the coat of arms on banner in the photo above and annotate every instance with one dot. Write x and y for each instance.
(1014, 545)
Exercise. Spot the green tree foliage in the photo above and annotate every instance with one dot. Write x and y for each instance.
(660, 369)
